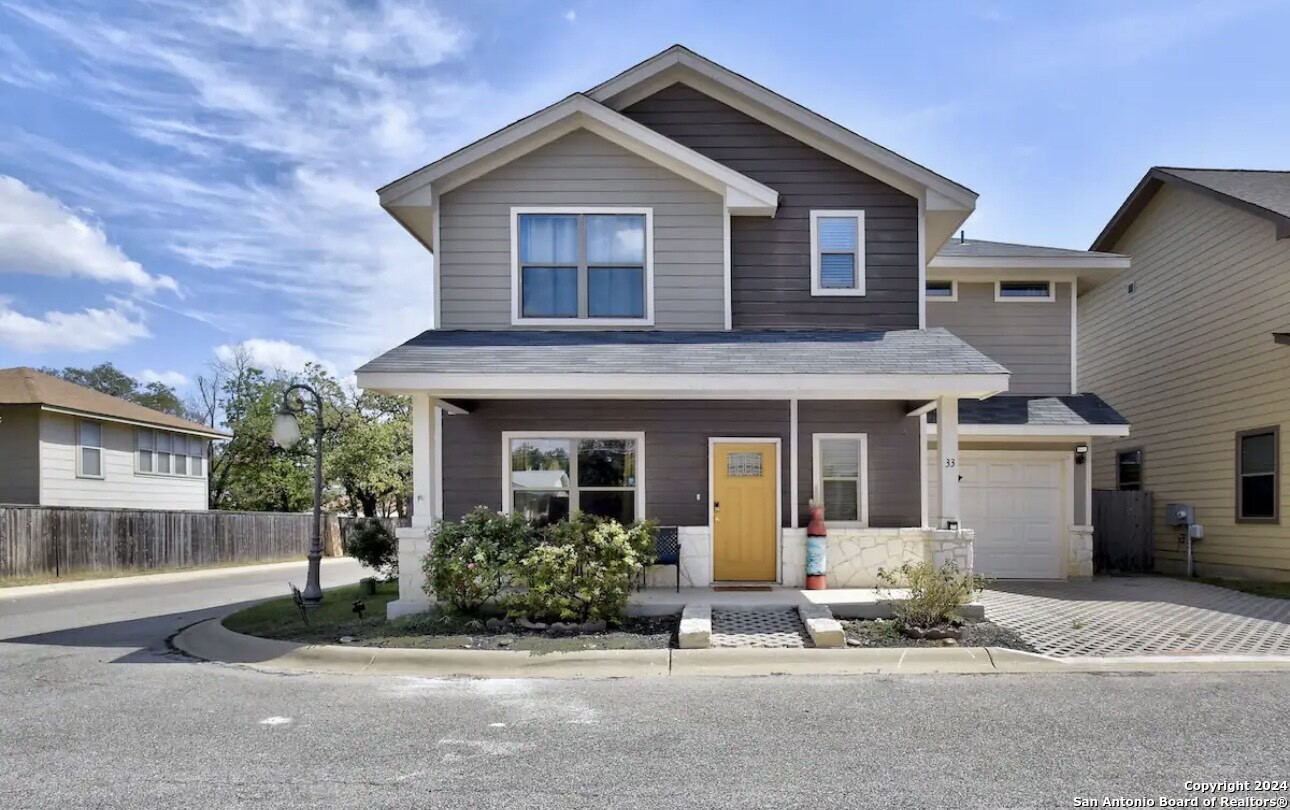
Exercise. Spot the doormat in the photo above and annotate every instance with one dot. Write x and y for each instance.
(741, 588)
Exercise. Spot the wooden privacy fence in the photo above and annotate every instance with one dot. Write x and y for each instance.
(1123, 532)
(63, 541)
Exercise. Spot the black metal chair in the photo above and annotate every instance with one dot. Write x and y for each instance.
(667, 551)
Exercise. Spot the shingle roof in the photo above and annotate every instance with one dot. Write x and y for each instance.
(1263, 193)
(26, 386)
(1075, 410)
(908, 351)
(981, 248)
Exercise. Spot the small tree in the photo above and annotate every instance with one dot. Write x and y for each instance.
(372, 545)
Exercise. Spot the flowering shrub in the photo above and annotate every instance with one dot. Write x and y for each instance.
(582, 569)
(471, 561)
(579, 569)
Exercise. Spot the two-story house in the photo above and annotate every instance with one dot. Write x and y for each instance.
(1191, 344)
(681, 296)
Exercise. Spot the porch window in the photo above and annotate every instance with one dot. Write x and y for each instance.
(1257, 475)
(89, 442)
(942, 290)
(593, 264)
(841, 462)
(551, 476)
(837, 253)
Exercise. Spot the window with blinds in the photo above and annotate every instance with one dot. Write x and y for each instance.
(837, 253)
(840, 466)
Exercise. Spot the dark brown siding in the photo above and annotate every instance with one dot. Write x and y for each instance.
(770, 258)
(894, 494)
(676, 449)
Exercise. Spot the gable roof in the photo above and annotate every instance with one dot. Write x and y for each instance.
(1263, 193)
(743, 195)
(679, 63)
(26, 386)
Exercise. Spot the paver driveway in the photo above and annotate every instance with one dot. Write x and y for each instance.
(1115, 616)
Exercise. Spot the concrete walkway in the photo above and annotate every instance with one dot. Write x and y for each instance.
(1133, 616)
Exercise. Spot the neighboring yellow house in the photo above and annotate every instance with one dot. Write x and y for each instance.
(62, 444)
(1190, 346)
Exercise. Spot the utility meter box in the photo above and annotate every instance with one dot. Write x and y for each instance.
(1180, 514)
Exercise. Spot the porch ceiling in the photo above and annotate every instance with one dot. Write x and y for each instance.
(649, 364)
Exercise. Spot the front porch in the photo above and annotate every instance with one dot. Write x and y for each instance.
(637, 425)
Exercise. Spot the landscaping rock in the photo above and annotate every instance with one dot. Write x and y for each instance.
(563, 629)
(933, 633)
(505, 642)
(536, 626)
(854, 642)
(348, 639)
(598, 626)
(495, 624)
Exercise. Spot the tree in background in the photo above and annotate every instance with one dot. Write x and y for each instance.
(370, 456)
(108, 379)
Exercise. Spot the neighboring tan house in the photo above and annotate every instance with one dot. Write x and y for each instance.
(1191, 345)
(701, 303)
(63, 444)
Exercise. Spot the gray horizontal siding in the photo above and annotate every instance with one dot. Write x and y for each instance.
(894, 494)
(771, 258)
(581, 169)
(1031, 339)
(676, 449)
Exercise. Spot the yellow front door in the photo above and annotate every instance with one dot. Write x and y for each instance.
(744, 500)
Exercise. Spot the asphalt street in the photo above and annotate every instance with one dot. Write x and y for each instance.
(96, 711)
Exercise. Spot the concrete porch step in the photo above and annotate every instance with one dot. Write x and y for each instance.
(846, 603)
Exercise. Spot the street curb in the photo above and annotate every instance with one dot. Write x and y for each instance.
(19, 591)
(211, 641)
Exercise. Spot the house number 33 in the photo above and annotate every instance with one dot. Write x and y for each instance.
(951, 462)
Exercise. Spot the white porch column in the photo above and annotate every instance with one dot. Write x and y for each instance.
(414, 542)
(425, 464)
(947, 450)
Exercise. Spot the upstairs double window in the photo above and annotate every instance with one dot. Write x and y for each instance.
(593, 264)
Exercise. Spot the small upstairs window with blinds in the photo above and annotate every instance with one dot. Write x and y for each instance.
(837, 253)
(841, 462)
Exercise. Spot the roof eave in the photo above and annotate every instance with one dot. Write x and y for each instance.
(196, 430)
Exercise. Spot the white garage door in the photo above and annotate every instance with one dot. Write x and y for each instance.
(1016, 503)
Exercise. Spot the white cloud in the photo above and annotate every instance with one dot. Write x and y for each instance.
(276, 122)
(172, 378)
(91, 329)
(571, 15)
(41, 235)
(273, 355)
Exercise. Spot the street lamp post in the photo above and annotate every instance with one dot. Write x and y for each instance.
(286, 433)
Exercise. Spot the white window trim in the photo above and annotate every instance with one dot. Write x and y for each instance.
(172, 474)
(818, 290)
(517, 317)
(999, 297)
(954, 290)
(817, 478)
(637, 436)
(80, 455)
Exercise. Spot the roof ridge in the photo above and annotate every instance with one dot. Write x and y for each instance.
(1211, 169)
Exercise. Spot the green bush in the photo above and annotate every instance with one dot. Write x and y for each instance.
(472, 560)
(935, 594)
(372, 545)
(582, 570)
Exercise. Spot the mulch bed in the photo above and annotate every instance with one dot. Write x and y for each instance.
(445, 631)
(885, 633)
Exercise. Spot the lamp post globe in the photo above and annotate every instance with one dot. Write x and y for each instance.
(286, 429)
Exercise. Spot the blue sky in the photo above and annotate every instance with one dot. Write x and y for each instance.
(179, 178)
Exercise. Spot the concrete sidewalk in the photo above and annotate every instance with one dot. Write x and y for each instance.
(73, 586)
(211, 641)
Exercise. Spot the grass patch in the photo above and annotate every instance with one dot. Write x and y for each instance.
(1277, 590)
(118, 573)
(280, 618)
